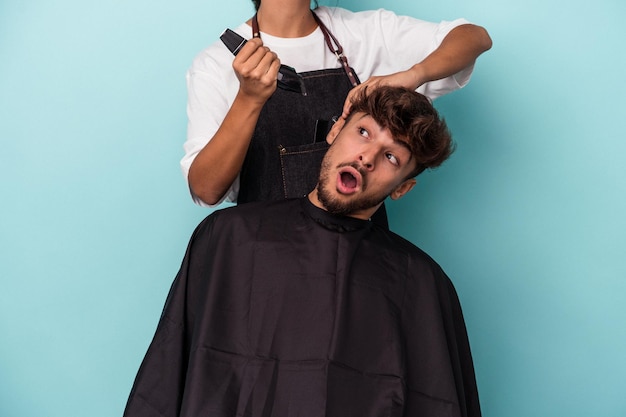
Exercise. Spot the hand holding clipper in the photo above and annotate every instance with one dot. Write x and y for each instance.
(288, 79)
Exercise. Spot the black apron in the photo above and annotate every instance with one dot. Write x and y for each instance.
(289, 141)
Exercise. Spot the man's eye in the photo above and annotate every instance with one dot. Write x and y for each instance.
(363, 132)
(392, 159)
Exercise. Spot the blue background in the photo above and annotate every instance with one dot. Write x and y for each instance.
(527, 217)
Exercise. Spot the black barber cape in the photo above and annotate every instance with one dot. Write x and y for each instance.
(282, 309)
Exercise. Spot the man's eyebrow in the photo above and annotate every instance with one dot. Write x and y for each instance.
(397, 140)
(405, 145)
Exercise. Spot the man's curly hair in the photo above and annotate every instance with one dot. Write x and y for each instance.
(411, 117)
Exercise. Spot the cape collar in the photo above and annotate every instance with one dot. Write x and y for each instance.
(333, 221)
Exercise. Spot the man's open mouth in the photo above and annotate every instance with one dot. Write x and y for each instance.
(348, 180)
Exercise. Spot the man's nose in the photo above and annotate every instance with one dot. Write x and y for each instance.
(367, 158)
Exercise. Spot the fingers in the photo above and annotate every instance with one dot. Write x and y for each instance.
(401, 79)
(256, 67)
(255, 60)
(347, 105)
(355, 92)
(252, 46)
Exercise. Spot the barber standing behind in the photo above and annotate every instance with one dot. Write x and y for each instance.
(248, 140)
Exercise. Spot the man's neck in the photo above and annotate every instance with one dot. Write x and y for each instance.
(286, 18)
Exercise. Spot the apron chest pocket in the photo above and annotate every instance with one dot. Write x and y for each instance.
(300, 167)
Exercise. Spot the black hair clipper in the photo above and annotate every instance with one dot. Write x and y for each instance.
(288, 78)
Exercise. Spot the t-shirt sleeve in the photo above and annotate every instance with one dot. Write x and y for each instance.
(411, 40)
(209, 97)
(379, 42)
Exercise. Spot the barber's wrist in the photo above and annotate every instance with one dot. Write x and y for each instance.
(419, 75)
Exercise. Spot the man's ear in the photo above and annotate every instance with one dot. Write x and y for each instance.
(335, 129)
(403, 188)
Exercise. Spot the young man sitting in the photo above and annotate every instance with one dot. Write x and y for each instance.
(306, 308)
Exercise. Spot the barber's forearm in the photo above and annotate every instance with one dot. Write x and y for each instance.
(458, 50)
(217, 165)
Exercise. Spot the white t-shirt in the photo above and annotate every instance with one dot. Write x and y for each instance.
(376, 42)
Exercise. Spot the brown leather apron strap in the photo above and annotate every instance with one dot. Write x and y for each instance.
(256, 33)
(338, 51)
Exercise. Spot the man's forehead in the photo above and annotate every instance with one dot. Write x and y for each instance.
(400, 140)
(360, 116)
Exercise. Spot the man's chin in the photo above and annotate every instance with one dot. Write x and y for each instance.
(337, 207)
(333, 201)
(343, 205)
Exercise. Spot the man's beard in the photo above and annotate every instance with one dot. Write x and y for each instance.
(351, 204)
